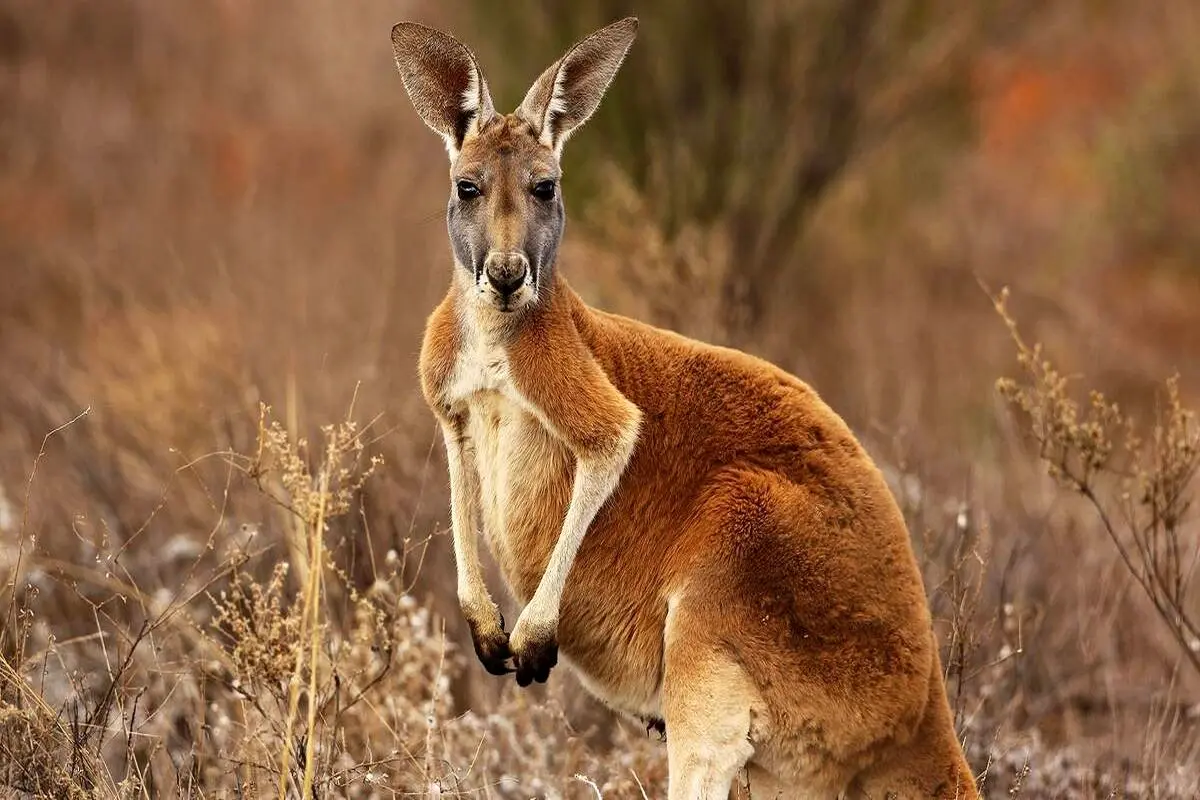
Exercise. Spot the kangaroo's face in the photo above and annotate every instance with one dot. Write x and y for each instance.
(505, 213)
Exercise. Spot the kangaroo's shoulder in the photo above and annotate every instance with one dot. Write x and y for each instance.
(650, 354)
(440, 346)
(736, 399)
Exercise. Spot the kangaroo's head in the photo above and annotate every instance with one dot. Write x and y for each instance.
(506, 212)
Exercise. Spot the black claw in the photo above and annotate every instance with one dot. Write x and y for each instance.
(496, 667)
(656, 724)
(536, 662)
(491, 647)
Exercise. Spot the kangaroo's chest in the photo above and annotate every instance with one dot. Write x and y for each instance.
(525, 477)
(524, 473)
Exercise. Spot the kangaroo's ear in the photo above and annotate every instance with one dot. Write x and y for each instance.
(443, 81)
(569, 91)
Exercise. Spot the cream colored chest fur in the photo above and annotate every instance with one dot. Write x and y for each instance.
(525, 478)
(517, 461)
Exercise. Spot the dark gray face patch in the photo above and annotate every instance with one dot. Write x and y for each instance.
(465, 246)
(499, 200)
(548, 220)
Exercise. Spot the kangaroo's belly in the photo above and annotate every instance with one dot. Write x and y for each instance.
(610, 630)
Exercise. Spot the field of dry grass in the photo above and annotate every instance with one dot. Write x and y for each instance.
(221, 228)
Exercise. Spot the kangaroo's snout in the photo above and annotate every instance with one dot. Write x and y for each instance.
(506, 272)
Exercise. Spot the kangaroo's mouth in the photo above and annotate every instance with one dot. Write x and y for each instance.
(508, 303)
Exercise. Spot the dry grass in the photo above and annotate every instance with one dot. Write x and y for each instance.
(281, 678)
(205, 211)
(1142, 494)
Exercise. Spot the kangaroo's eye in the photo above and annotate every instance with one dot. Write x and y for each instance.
(544, 190)
(467, 190)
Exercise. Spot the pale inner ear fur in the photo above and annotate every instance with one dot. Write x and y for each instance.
(567, 94)
(477, 105)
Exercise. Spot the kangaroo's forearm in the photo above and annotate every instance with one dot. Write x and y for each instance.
(464, 516)
(600, 426)
(595, 480)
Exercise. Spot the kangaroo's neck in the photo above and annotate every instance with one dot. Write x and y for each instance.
(558, 310)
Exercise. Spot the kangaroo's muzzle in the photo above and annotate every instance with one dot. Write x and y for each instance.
(506, 272)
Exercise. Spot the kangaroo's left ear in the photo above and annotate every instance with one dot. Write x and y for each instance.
(569, 91)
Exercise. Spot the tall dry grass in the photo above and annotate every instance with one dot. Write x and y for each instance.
(209, 209)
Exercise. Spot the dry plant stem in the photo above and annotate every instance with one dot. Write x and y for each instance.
(431, 723)
(298, 525)
(1153, 494)
(313, 599)
(293, 704)
(309, 508)
(11, 619)
(309, 626)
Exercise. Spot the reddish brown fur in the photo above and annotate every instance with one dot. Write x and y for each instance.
(749, 490)
(750, 580)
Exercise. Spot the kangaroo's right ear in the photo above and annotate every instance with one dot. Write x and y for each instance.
(443, 81)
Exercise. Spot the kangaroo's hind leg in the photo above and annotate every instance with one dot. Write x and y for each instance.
(708, 704)
(928, 765)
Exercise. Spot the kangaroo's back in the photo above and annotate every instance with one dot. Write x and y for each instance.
(693, 528)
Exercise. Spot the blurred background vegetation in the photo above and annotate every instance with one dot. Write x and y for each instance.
(207, 207)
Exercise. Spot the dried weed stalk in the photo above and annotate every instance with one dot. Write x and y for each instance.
(1140, 486)
(313, 500)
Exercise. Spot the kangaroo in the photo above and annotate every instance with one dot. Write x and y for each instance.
(689, 527)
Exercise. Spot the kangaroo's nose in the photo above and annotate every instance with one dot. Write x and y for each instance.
(506, 271)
